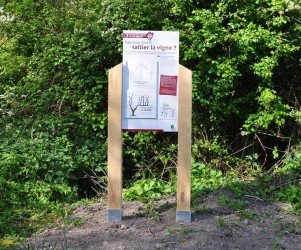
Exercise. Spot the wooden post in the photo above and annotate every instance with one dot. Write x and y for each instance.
(115, 144)
(184, 145)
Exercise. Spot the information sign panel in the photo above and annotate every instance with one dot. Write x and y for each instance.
(150, 80)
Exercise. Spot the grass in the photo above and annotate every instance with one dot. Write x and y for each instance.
(9, 243)
(60, 217)
(221, 222)
(57, 245)
(180, 231)
(202, 210)
(150, 210)
(276, 244)
(171, 231)
(247, 214)
(234, 204)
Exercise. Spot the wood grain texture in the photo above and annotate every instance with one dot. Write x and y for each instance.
(184, 139)
(115, 138)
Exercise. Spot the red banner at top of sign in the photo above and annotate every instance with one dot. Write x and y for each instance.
(148, 35)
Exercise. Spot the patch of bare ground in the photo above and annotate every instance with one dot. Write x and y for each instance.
(220, 221)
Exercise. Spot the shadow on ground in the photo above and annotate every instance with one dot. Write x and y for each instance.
(221, 220)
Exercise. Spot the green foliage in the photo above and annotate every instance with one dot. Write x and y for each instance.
(208, 150)
(289, 173)
(234, 204)
(147, 189)
(152, 154)
(271, 112)
(234, 48)
(35, 174)
(204, 178)
(291, 163)
(245, 58)
(296, 115)
(38, 158)
(292, 195)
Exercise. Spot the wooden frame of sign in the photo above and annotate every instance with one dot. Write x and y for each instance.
(183, 212)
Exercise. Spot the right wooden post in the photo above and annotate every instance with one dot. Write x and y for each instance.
(184, 145)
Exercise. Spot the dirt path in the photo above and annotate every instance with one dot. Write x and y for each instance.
(220, 222)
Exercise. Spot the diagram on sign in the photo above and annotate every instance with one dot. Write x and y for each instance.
(143, 101)
(140, 101)
(140, 105)
(141, 75)
(167, 111)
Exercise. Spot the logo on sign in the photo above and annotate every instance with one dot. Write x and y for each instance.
(148, 35)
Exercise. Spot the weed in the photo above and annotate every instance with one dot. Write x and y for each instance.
(223, 200)
(280, 234)
(43, 245)
(147, 189)
(184, 234)
(227, 223)
(186, 230)
(88, 202)
(155, 215)
(205, 178)
(277, 245)
(202, 209)
(234, 204)
(247, 213)
(238, 205)
(75, 222)
(150, 211)
(221, 222)
(9, 243)
(288, 226)
(171, 231)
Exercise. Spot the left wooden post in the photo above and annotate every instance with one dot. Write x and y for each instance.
(115, 144)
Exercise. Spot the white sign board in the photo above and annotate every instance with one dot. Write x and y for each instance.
(150, 80)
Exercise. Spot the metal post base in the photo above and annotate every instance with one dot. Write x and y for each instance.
(183, 216)
(114, 215)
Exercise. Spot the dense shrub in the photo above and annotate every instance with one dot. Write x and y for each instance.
(54, 57)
